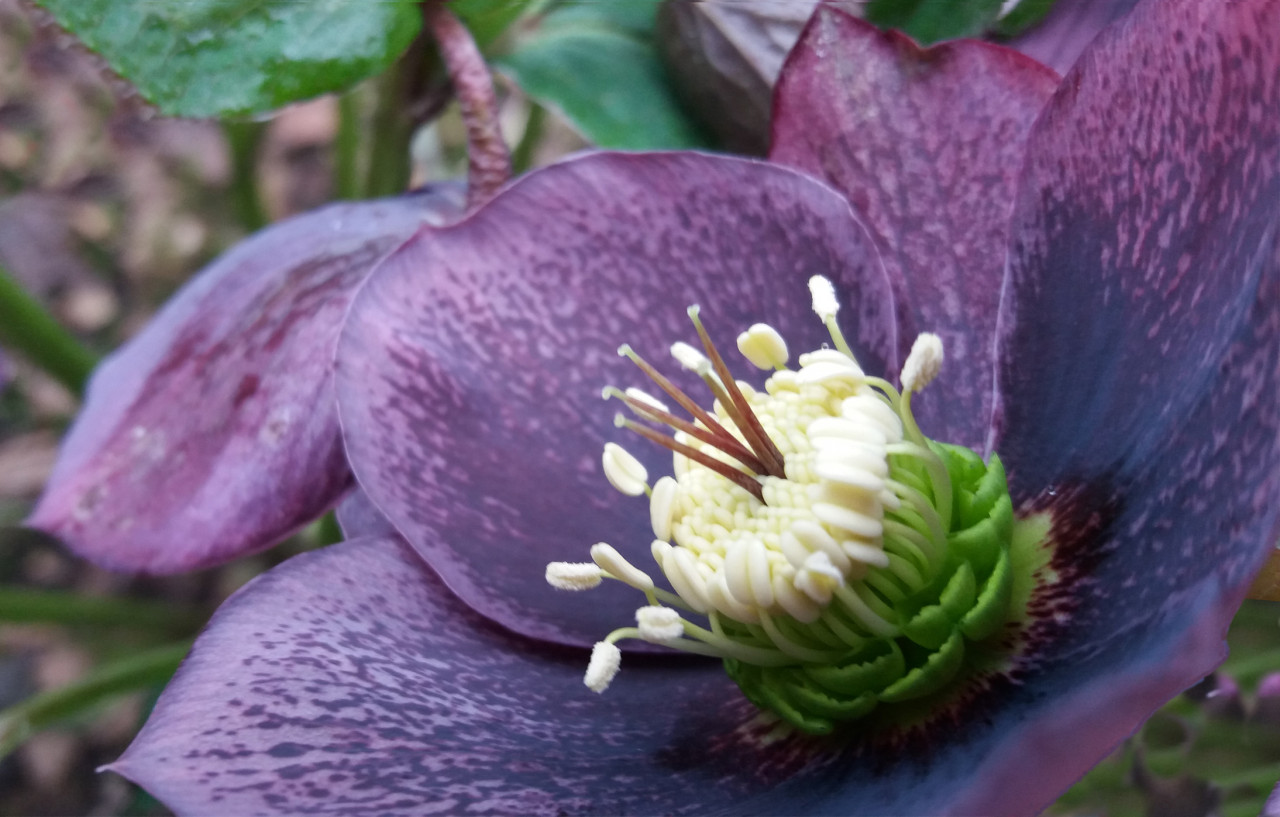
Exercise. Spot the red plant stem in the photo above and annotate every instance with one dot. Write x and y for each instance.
(489, 160)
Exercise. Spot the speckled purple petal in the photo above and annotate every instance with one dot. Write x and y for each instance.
(350, 681)
(1070, 26)
(213, 433)
(1149, 205)
(1141, 345)
(926, 145)
(1153, 559)
(470, 397)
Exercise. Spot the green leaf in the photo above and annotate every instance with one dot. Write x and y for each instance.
(139, 671)
(928, 21)
(488, 19)
(1024, 15)
(597, 65)
(235, 57)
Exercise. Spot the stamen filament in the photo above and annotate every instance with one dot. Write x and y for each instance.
(791, 648)
(744, 481)
(863, 614)
(730, 446)
(938, 474)
(724, 437)
(738, 408)
(917, 502)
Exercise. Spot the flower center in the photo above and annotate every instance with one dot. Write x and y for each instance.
(836, 559)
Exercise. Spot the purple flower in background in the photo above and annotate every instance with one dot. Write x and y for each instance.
(1097, 254)
(214, 433)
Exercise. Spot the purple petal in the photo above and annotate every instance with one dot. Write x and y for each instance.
(1149, 206)
(350, 681)
(213, 433)
(926, 145)
(1070, 26)
(1140, 352)
(470, 398)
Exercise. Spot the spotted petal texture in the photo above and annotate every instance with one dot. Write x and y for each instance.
(926, 145)
(470, 396)
(350, 681)
(1146, 216)
(213, 433)
(1068, 27)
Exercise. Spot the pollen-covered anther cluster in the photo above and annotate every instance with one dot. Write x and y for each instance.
(820, 524)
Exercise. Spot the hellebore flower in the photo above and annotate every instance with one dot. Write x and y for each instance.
(1123, 224)
(214, 433)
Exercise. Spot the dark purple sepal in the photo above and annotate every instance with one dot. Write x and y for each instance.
(1146, 218)
(350, 681)
(926, 144)
(470, 397)
(1067, 29)
(213, 433)
(1147, 570)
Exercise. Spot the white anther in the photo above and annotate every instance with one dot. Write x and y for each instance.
(746, 573)
(845, 429)
(624, 471)
(641, 396)
(606, 660)
(823, 293)
(763, 346)
(796, 604)
(824, 372)
(866, 408)
(659, 624)
(815, 539)
(613, 563)
(681, 570)
(573, 575)
(690, 358)
(721, 599)
(851, 475)
(793, 549)
(847, 519)
(923, 364)
(818, 578)
(828, 356)
(868, 554)
(662, 506)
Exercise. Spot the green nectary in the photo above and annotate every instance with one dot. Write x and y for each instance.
(966, 601)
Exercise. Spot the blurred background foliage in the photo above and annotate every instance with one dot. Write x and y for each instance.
(108, 204)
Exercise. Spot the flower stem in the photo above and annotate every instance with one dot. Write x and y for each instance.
(388, 168)
(28, 329)
(25, 605)
(139, 671)
(489, 160)
(522, 156)
(244, 138)
(346, 160)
